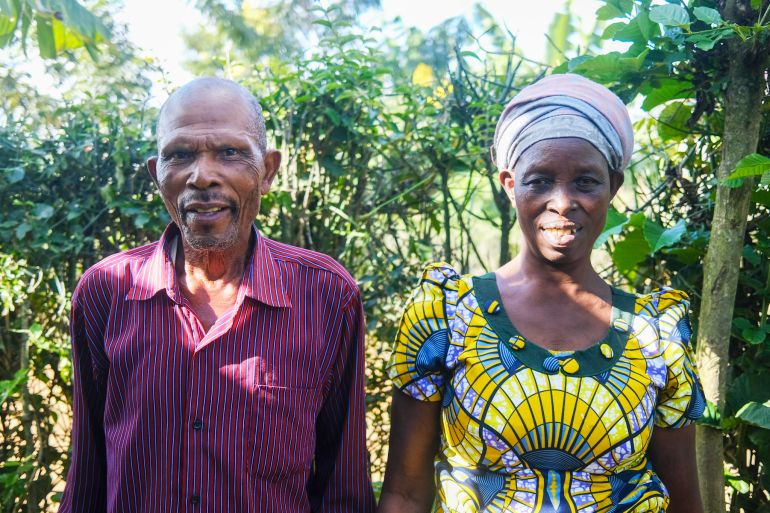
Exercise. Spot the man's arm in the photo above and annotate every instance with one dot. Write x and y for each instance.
(340, 482)
(86, 486)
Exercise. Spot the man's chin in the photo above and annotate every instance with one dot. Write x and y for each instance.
(208, 242)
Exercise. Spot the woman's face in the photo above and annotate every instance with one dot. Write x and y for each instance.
(561, 189)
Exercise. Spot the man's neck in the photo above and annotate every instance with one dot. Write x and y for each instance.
(210, 279)
(209, 266)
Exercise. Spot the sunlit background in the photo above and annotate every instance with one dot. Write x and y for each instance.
(158, 27)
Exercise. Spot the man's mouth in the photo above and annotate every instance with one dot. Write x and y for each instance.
(207, 210)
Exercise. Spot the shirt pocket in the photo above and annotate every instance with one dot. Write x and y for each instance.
(281, 433)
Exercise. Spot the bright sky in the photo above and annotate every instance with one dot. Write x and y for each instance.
(156, 25)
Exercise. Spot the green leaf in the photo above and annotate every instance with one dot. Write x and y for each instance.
(711, 416)
(757, 414)
(665, 91)
(738, 484)
(332, 115)
(9, 387)
(750, 165)
(754, 336)
(9, 8)
(646, 27)
(43, 211)
(765, 179)
(672, 123)
(630, 33)
(612, 29)
(608, 12)
(15, 174)
(607, 67)
(331, 165)
(707, 40)
(22, 230)
(614, 225)
(45, 38)
(658, 237)
(669, 15)
(629, 251)
(750, 386)
(708, 15)
(325, 23)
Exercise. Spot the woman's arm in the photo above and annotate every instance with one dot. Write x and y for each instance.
(409, 486)
(672, 453)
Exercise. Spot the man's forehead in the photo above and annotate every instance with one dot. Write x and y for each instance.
(215, 106)
(213, 136)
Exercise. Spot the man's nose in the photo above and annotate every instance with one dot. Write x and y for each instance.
(203, 172)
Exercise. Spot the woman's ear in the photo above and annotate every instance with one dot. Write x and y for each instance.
(507, 180)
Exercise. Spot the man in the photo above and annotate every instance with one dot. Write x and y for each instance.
(217, 370)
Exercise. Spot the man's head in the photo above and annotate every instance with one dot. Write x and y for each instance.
(213, 165)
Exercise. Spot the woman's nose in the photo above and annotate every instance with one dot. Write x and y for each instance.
(561, 199)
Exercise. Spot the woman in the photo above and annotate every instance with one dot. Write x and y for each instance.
(539, 387)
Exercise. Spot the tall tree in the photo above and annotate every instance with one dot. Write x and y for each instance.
(745, 91)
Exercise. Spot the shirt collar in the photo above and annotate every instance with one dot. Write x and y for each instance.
(262, 281)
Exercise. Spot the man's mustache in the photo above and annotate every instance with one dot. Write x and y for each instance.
(205, 197)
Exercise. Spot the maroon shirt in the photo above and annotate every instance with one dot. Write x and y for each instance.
(264, 413)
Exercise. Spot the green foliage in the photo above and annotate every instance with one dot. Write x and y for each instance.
(678, 66)
(386, 152)
(60, 25)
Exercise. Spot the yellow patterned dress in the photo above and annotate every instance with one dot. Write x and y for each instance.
(525, 429)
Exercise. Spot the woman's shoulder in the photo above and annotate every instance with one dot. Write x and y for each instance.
(441, 275)
(663, 300)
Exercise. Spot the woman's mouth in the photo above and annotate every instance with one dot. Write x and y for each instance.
(561, 235)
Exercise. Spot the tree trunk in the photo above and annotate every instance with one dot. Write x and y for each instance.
(742, 108)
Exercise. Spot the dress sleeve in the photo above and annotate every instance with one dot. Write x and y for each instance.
(418, 364)
(681, 400)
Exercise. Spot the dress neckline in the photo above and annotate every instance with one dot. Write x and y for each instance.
(591, 361)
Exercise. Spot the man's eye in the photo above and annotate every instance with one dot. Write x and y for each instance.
(179, 155)
(537, 182)
(230, 152)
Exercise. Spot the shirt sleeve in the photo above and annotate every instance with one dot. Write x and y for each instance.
(341, 482)
(86, 486)
(681, 400)
(418, 365)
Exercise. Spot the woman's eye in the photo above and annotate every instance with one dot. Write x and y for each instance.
(587, 181)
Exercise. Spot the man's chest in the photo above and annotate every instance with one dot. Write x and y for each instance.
(166, 351)
(241, 391)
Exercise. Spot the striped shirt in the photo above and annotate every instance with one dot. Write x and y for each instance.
(262, 413)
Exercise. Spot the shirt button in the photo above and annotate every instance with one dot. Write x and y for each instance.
(195, 499)
(197, 424)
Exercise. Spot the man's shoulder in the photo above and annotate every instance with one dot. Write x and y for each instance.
(116, 268)
(300, 258)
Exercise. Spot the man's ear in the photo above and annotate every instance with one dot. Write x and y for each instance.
(272, 162)
(616, 180)
(508, 181)
(152, 168)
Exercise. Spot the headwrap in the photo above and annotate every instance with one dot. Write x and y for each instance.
(565, 106)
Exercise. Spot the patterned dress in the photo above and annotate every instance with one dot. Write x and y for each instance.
(525, 429)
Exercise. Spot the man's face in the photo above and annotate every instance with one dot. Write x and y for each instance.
(211, 172)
